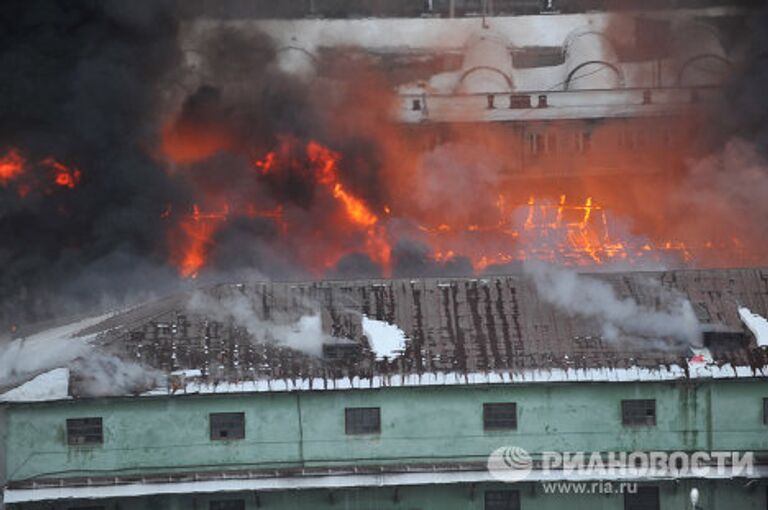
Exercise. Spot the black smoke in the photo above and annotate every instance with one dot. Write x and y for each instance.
(82, 81)
(743, 109)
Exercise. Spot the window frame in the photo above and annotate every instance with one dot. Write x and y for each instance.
(72, 423)
(349, 413)
(625, 414)
(512, 499)
(220, 416)
(489, 408)
(643, 505)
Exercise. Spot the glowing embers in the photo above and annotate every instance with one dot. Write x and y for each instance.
(11, 166)
(15, 169)
(63, 175)
(580, 234)
(187, 142)
(575, 234)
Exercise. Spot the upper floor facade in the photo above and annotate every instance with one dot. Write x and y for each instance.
(285, 435)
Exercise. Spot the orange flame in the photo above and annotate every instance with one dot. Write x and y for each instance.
(182, 143)
(11, 166)
(193, 240)
(62, 175)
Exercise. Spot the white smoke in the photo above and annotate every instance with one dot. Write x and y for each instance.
(23, 358)
(304, 334)
(673, 322)
(71, 346)
(102, 374)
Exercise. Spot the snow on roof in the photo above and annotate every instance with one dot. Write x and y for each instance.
(25, 357)
(756, 323)
(387, 340)
(555, 375)
(52, 385)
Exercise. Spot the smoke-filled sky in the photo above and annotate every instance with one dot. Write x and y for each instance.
(129, 173)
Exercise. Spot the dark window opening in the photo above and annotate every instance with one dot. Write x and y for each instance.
(416, 105)
(502, 500)
(647, 98)
(491, 99)
(227, 504)
(646, 498)
(519, 101)
(722, 342)
(543, 103)
(227, 426)
(362, 420)
(500, 416)
(84, 431)
(638, 412)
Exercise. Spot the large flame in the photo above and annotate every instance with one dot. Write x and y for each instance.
(193, 240)
(482, 195)
(502, 230)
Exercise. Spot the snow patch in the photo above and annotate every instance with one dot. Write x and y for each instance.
(22, 358)
(194, 372)
(387, 340)
(757, 324)
(52, 385)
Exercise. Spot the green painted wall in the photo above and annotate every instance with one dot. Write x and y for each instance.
(723, 495)
(419, 424)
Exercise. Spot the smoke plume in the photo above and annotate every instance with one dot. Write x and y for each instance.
(671, 324)
(301, 332)
(81, 84)
(72, 346)
(154, 155)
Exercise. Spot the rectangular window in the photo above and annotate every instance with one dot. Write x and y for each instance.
(519, 101)
(638, 412)
(362, 420)
(227, 504)
(502, 500)
(500, 416)
(227, 426)
(84, 431)
(646, 498)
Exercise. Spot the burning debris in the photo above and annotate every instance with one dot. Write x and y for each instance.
(27, 178)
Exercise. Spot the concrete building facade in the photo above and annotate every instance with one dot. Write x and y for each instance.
(359, 431)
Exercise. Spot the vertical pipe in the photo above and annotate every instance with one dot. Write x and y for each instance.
(451, 8)
(301, 428)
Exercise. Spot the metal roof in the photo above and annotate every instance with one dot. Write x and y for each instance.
(457, 326)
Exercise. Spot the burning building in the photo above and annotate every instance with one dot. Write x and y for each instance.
(371, 393)
(400, 196)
